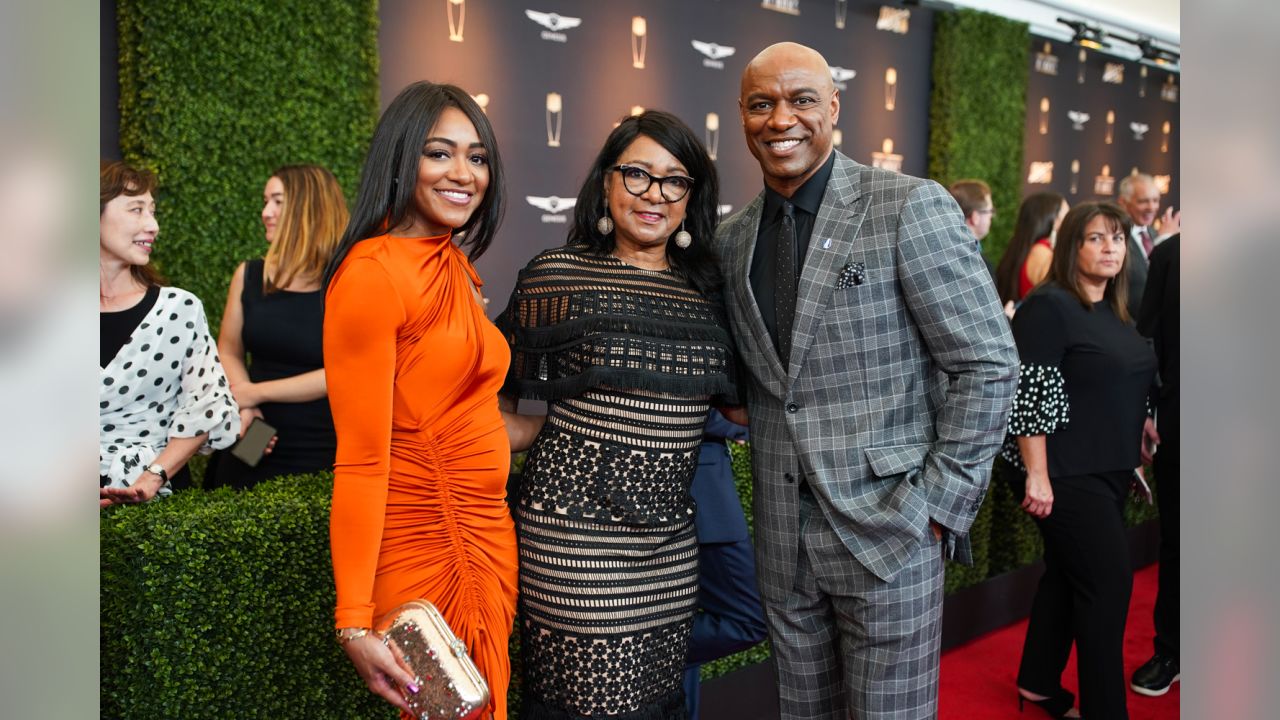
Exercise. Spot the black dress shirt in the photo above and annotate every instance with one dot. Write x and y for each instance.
(807, 200)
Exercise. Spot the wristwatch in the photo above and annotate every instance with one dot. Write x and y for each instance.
(158, 469)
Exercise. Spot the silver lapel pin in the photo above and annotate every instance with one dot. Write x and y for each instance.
(826, 244)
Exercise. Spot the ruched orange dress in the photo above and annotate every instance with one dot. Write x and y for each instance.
(413, 366)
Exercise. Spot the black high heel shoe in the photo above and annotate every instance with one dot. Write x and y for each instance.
(1056, 705)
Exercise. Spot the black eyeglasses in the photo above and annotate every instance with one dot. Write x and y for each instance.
(637, 182)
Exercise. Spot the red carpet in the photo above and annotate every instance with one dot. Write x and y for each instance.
(978, 678)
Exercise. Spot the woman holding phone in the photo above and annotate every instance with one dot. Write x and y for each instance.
(273, 316)
(414, 366)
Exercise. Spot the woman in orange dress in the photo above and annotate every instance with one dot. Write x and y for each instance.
(414, 366)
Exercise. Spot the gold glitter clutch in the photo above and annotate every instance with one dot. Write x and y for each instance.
(449, 685)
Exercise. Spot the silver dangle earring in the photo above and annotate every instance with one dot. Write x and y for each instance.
(605, 224)
(683, 238)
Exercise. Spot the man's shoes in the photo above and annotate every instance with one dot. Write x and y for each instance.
(1156, 676)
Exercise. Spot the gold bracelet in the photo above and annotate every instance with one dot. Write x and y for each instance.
(344, 638)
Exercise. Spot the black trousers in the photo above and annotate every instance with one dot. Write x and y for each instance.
(1083, 596)
(1168, 501)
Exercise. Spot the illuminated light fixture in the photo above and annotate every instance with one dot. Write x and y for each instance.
(1044, 116)
(482, 99)
(1111, 124)
(837, 138)
(1086, 35)
(1075, 176)
(636, 110)
(1165, 130)
(455, 26)
(842, 11)
(713, 134)
(639, 41)
(890, 89)
(555, 106)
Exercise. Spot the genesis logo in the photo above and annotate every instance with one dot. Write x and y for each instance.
(840, 76)
(554, 24)
(553, 207)
(713, 53)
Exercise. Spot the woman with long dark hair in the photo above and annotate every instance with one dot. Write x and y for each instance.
(621, 331)
(1077, 432)
(413, 367)
(1026, 259)
(274, 313)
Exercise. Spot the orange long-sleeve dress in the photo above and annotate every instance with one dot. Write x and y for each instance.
(413, 367)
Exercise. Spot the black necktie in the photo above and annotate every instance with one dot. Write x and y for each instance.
(784, 275)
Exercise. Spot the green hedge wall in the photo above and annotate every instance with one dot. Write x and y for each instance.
(215, 95)
(978, 110)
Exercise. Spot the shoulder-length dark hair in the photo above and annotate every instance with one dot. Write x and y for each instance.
(115, 178)
(696, 262)
(1065, 271)
(390, 173)
(1035, 221)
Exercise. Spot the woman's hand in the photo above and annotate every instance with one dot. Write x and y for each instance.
(1039, 500)
(142, 490)
(1150, 439)
(380, 669)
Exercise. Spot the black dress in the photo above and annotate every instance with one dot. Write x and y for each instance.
(628, 360)
(1084, 383)
(282, 337)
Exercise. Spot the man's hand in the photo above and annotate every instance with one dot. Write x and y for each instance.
(1170, 223)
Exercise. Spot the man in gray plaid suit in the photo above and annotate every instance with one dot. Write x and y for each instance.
(879, 374)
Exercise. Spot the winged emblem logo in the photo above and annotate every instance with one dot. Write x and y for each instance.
(552, 21)
(712, 50)
(552, 203)
(1078, 119)
(1139, 129)
(839, 74)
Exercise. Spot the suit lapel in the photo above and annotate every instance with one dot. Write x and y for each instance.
(757, 335)
(830, 246)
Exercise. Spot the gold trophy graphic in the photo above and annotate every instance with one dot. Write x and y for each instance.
(639, 41)
(555, 106)
(1046, 61)
(713, 134)
(455, 26)
(886, 159)
(1104, 184)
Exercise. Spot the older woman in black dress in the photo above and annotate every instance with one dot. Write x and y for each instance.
(1077, 428)
(621, 332)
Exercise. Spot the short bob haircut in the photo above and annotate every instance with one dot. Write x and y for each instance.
(1035, 221)
(311, 225)
(696, 262)
(115, 179)
(1065, 270)
(390, 173)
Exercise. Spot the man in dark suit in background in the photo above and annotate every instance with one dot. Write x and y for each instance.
(880, 372)
(730, 617)
(1158, 320)
(1140, 198)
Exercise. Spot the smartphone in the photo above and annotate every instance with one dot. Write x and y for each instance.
(250, 448)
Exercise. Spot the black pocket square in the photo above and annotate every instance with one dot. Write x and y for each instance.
(850, 275)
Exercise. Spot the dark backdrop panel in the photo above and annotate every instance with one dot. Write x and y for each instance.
(504, 55)
(109, 83)
(1134, 100)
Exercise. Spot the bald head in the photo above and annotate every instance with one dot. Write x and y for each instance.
(787, 56)
(789, 107)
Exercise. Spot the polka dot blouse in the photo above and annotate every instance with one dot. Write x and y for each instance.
(165, 382)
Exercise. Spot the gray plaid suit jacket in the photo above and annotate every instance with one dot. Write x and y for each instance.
(899, 386)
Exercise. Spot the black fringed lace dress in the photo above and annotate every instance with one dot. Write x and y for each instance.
(628, 361)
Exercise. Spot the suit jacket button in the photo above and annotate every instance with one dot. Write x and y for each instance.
(793, 408)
